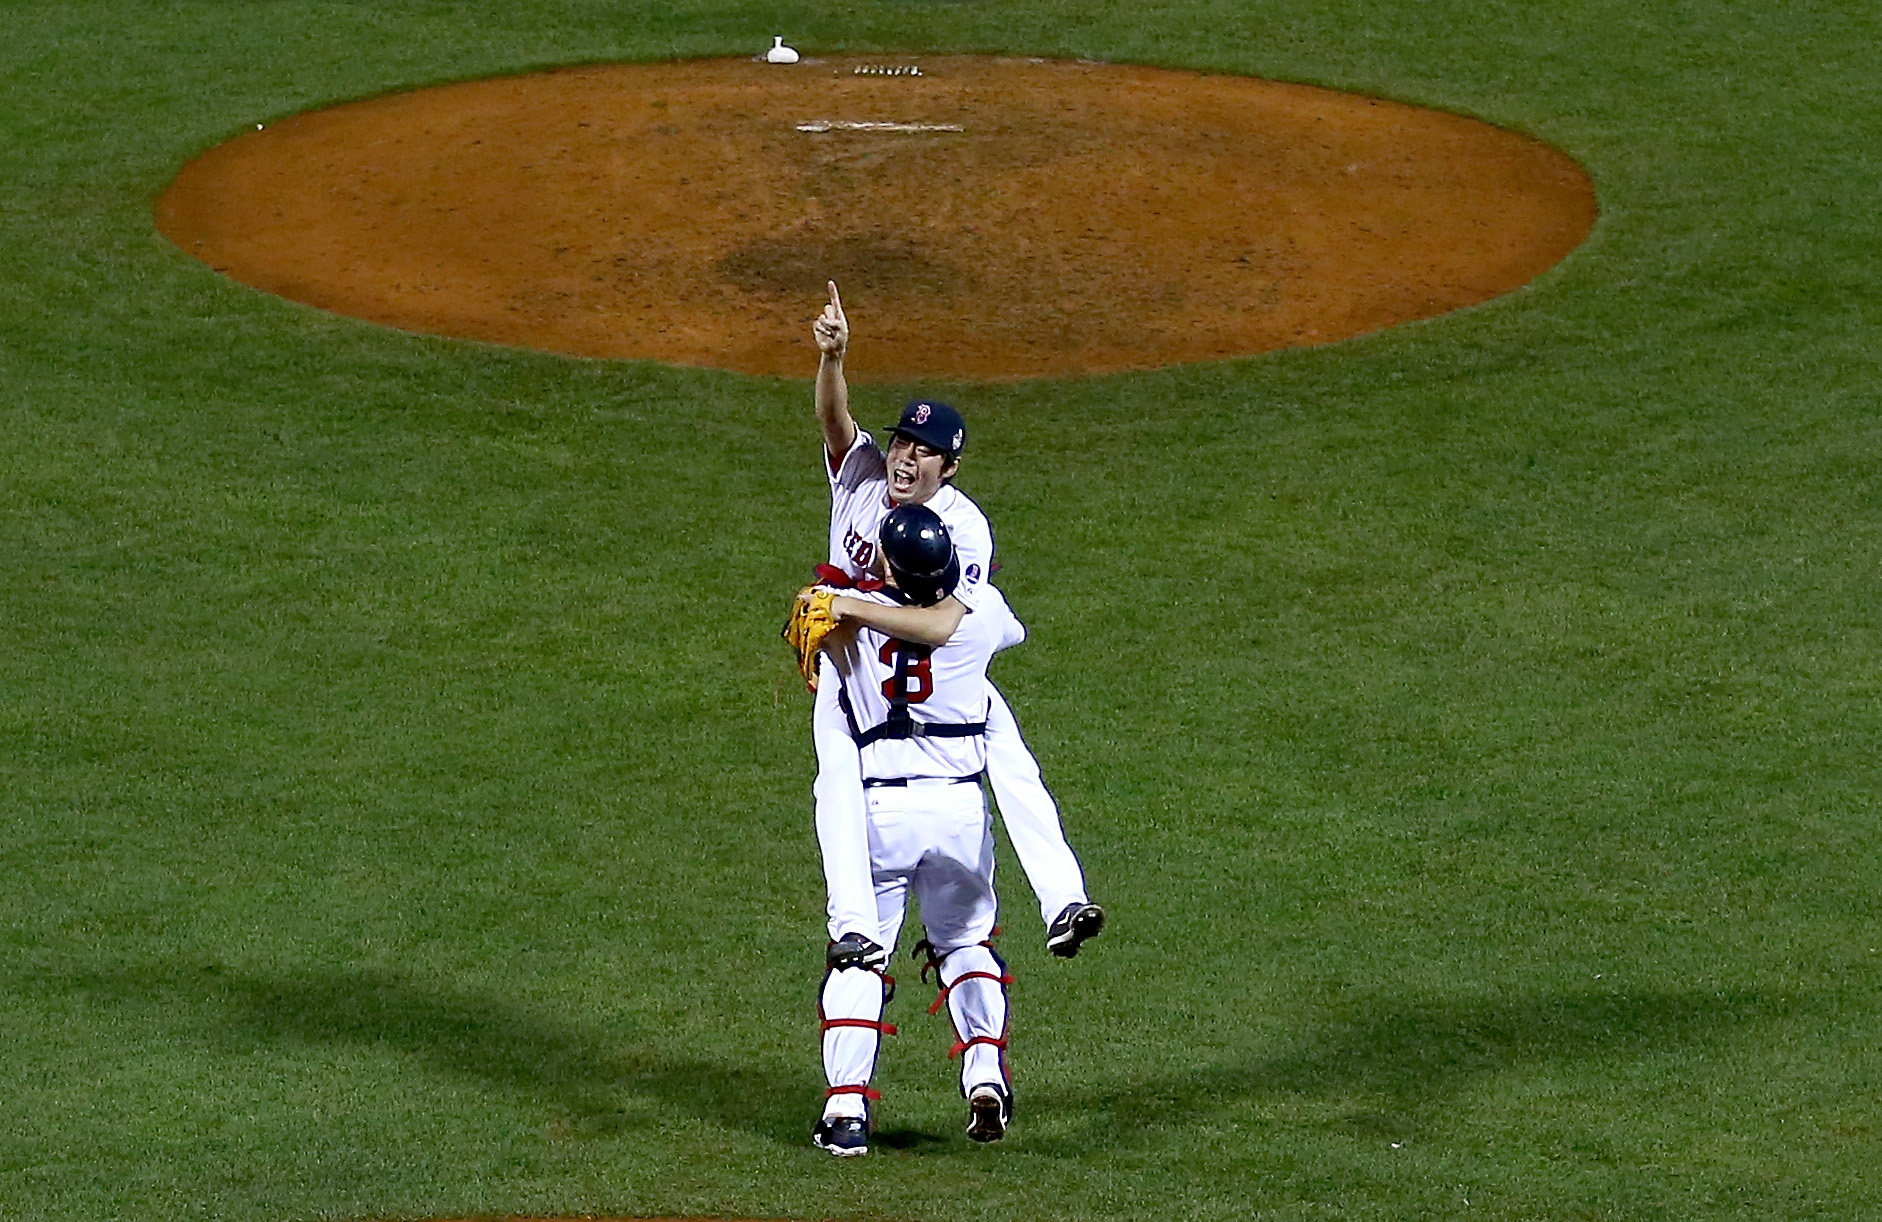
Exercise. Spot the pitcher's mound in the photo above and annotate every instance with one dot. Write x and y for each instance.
(987, 218)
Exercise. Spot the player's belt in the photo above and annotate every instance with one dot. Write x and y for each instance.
(901, 782)
(908, 727)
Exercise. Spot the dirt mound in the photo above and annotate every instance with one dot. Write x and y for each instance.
(990, 218)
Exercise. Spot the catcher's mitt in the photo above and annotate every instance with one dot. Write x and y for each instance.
(810, 622)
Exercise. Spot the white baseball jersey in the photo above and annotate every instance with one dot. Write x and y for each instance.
(859, 500)
(944, 684)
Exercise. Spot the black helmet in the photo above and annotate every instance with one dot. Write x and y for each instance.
(920, 554)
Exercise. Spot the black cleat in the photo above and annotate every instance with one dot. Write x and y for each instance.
(854, 950)
(843, 1136)
(1072, 928)
(989, 1109)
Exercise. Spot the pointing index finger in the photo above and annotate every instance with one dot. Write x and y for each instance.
(836, 301)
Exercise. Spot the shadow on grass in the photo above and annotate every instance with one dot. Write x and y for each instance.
(1395, 1067)
(909, 1139)
(600, 1087)
(1399, 1065)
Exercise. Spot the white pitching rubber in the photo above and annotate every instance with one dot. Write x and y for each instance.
(835, 125)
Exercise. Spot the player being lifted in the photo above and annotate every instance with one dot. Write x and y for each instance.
(865, 484)
(927, 826)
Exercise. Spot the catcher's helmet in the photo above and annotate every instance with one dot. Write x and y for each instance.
(920, 554)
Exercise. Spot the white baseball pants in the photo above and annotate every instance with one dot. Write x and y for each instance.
(1026, 808)
(935, 839)
(842, 830)
(1029, 813)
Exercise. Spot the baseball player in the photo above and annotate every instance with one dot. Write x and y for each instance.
(918, 716)
(865, 483)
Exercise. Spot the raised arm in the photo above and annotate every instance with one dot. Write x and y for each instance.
(833, 393)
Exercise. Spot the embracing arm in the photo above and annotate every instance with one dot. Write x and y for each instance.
(832, 331)
(917, 625)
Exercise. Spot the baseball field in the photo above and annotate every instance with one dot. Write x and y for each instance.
(1471, 727)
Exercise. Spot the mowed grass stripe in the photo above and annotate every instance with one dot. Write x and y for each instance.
(1470, 727)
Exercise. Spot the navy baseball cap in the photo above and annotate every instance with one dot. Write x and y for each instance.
(935, 425)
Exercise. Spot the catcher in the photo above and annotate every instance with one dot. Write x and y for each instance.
(928, 830)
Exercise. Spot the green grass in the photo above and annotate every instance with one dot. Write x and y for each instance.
(1472, 728)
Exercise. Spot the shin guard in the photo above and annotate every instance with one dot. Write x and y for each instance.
(850, 1014)
(973, 982)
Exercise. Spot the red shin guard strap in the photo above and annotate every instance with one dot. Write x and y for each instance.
(961, 1046)
(870, 1023)
(936, 958)
(941, 999)
(858, 1089)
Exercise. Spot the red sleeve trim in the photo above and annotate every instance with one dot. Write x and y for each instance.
(836, 461)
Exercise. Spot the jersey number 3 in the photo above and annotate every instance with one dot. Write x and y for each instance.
(920, 671)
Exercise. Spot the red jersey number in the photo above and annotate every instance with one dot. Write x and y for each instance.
(920, 670)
